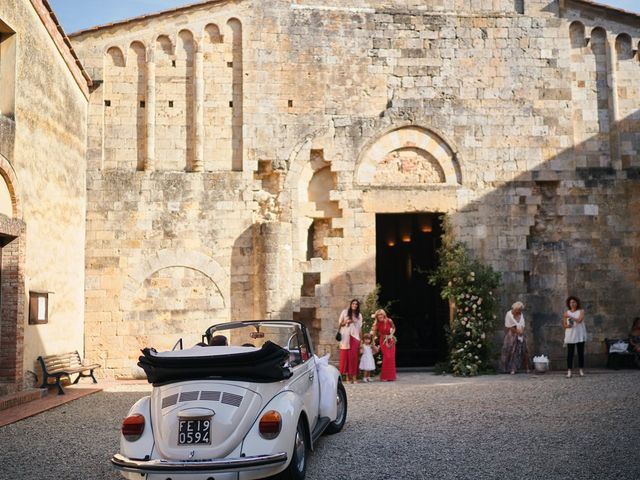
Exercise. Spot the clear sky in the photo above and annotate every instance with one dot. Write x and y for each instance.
(79, 14)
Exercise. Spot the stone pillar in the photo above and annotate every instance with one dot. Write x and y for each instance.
(275, 268)
(612, 82)
(198, 110)
(150, 156)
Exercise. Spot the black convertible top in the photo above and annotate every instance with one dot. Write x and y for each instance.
(264, 365)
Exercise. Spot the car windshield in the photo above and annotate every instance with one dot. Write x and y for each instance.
(254, 334)
(287, 335)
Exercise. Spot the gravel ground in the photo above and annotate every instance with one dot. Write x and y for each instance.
(423, 426)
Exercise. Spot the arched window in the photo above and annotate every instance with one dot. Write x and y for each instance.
(576, 34)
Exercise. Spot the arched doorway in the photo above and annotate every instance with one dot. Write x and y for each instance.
(410, 176)
(11, 283)
(406, 253)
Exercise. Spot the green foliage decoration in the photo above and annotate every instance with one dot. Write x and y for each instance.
(469, 287)
(368, 307)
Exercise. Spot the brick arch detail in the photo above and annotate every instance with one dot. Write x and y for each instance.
(10, 178)
(174, 258)
(413, 136)
(12, 288)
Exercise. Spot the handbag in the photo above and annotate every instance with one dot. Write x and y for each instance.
(338, 336)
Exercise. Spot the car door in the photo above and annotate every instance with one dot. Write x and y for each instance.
(306, 382)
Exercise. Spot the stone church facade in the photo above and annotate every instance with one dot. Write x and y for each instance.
(242, 155)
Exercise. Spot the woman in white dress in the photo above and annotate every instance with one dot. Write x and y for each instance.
(514, 348)
(575, 333)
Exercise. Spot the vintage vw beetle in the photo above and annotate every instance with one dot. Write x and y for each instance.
(249, 409)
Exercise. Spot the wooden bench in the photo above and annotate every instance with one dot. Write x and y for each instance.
(64, 365)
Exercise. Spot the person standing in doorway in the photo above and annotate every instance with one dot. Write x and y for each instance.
(350, 324)
(575, 333)
(514, 347)
(386, 329)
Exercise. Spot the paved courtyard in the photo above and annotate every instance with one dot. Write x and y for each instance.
(423, 426)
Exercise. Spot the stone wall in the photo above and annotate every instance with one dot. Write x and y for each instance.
(321, 116)
(42, 162)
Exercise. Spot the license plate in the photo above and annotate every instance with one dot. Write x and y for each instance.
(194, 431)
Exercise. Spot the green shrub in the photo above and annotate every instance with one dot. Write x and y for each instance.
(468, 285)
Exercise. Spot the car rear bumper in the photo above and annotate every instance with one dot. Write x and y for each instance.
(185, 466)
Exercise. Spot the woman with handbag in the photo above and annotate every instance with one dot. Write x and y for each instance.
(349, 326)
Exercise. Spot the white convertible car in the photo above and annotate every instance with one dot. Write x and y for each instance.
(249, 402)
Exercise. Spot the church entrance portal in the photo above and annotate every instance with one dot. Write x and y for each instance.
(406, 253)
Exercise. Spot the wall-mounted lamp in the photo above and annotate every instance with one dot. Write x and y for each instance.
(391, 238)
(426, 226)
(404, 227)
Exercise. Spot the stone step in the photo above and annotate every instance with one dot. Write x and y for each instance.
(20, 398)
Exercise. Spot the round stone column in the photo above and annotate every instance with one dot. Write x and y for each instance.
(198, 110)
(275, 269)
(150, 156)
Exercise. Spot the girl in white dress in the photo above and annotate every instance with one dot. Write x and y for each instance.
(575, 333)
(367, 351)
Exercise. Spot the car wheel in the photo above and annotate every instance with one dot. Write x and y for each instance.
(341, 417)
(297, 468)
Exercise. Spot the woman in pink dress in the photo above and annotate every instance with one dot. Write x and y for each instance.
(385, 329)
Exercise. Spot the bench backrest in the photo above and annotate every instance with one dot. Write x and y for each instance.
(63, 361)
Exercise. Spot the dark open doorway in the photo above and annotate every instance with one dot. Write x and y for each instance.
(407, 247)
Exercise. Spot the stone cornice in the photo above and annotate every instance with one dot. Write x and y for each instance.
(145, 16)
(615, 12)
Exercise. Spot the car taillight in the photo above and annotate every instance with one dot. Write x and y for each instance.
(270, 425)
(132, 427)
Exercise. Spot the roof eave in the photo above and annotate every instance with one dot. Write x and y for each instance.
(145, 16)
(62, 42)
(609, 8)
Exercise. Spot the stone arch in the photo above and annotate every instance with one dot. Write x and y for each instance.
(12, 285)
(598, 40)
(624, 47)
(212, 32)
(10, 179)
(318, 192)
(577, 35)
(137, 53)
(174, 258)
(185, 44)
(408, 155)
(115, 57)
(294, 199)
(164, 48)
